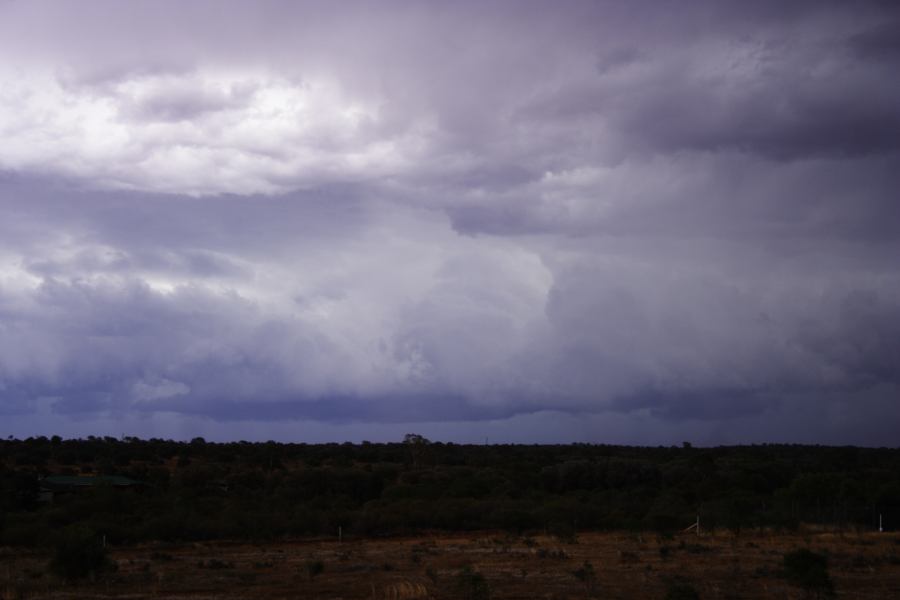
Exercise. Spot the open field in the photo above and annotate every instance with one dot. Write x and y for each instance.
(241, 520)
(625, 565)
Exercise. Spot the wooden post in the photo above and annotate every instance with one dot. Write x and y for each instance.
(694, 525)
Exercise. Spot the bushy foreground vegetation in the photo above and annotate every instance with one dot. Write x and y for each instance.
(257, 491)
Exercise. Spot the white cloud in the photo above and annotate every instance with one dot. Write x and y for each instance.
(198, 132)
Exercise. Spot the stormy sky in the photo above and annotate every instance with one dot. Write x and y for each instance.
(620, 222)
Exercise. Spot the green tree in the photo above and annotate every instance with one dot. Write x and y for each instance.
(418, 448)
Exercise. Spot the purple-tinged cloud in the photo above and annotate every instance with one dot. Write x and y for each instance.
(639, 222)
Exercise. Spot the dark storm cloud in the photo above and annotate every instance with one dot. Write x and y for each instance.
(879, 42)
(787, 92)
(597, 220)
(788, 112)
(718, 339)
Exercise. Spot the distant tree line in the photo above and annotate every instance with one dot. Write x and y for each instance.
(200, 490)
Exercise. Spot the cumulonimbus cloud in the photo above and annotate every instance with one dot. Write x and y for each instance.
(471, 215)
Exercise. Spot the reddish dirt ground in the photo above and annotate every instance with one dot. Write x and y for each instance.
(625, 565)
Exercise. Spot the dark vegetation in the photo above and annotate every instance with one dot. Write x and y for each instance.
(809, 571)
(79, 553)
(263, 491)
(472, 585)
(682, 590)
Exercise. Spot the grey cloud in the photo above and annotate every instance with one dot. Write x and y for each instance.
(187, 262)
(615, 58)
(705, 345)
(181, 101)
(792, 116)
(101, 341)
(111, 319)
(771, 80)
(715, 404)
(789, 98)
(601, 221)
(727, 195)
(878, 42)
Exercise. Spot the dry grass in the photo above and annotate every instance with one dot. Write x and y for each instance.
(404, 590)
(719, 566)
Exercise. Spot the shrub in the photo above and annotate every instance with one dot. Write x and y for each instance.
(682, 590)
(79, 553)
(555, 553)
(564, 532)
(588, 576)
(215, 563)
(472, 585)
(314, 568)
(161, 556)
(808, 570)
